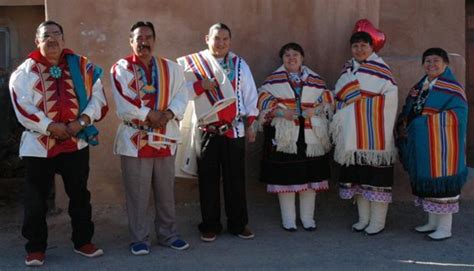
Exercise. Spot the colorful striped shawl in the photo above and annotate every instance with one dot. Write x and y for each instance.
(276, 91)
(216, 105)
(160, 100)
(84, 75)
(362, 127)
(434, 151)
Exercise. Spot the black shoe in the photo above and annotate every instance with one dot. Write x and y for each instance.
(289, 229)
(246, 234)
(374, 233)
(310, 228)
(358, 230)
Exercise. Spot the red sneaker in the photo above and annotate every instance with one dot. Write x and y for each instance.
(35, 259)
(89, 250)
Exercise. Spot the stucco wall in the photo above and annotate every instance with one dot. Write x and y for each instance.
(99, 29)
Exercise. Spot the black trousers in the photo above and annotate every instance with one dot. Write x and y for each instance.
(223, 155)
(74, 170)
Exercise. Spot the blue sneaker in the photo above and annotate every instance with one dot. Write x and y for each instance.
(139, 249)
(179, 244)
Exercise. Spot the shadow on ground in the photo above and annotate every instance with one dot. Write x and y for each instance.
(333, 246)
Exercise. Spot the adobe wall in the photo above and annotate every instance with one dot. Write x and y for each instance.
(99, 29)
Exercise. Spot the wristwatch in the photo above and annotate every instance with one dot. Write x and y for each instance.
(82, 123)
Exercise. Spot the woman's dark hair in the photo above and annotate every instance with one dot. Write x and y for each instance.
(291, 46)
(219, 26)
(142, 24)
(361, 37)
(436, 52)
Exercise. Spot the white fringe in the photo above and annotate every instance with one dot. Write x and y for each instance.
(321, 145)
(313, 150)
(285, 135)
(357, 157)
(365, 157)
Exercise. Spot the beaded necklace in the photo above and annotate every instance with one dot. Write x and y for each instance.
(421, 98)
(228, 66)
(152, 87)
(296, 84)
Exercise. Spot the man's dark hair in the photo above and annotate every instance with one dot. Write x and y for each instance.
(45, 23)
(291, 46)
(436, 52)
(361, 37)
(142, 24)
(219, 26)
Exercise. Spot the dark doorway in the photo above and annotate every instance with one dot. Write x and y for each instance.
(470, 78)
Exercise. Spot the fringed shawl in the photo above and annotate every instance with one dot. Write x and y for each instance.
(366, 100)
(219, 103)
(276, 91)
(434, 151)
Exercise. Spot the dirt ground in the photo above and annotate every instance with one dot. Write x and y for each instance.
(333, 246)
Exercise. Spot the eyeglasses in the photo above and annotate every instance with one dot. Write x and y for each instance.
(55, 35)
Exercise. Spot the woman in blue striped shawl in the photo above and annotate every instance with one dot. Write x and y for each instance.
(431, 136)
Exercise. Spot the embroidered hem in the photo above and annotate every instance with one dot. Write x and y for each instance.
(449, 206)
(369, 192)
(316, 186)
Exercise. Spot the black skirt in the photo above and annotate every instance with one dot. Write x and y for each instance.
(290, 169)
(364, 175)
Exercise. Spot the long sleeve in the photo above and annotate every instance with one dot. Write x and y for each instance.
(179, 100)
(22, 95)
(249, 93)
(266, 101)
(128, 103)
(97, 106)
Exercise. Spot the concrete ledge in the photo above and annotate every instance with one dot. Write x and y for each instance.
(22, 2)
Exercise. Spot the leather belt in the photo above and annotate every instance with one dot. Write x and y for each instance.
(135, 126)
(217, 129)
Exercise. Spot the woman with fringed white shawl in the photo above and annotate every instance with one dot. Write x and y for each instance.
(362, 131)
(295, 105)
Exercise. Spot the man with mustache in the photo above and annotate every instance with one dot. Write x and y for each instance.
(151, 97)
(224, 92)
(57, 96)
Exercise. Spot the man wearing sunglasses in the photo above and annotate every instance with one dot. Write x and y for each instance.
(57, 96)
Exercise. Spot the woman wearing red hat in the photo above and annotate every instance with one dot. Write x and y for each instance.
(362, 131)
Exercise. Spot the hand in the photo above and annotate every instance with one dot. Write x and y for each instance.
(58, 130)
(309, 112)
(158, 119)
(153, 119)
(208, 84)
(251, 135)
(165, 117)
(402, 128)
(288, 114)
(74, 127)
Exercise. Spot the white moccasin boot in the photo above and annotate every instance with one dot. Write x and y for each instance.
(378, 213)
(307, 199)
(443, 230)
(288, 210)
(363, 207)
(430, 226)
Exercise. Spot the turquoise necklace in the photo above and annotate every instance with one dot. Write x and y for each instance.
(149, 88)
(228, 67)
